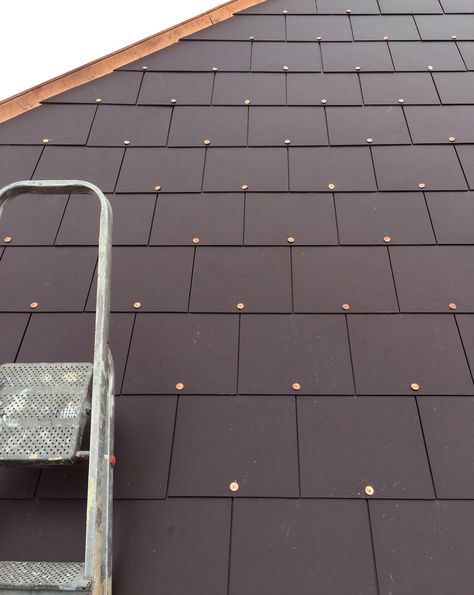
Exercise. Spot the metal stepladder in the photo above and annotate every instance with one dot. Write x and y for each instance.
(44, 408)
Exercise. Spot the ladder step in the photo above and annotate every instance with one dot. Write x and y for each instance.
(43, 577)
(43, 411)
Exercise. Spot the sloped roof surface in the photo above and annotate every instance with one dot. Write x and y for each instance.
(294, 216)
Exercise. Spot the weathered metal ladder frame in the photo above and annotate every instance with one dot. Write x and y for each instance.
(98, 550)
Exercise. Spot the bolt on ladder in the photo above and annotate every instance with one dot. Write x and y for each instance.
(43, 412)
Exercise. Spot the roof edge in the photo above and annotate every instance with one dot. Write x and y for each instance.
(31, 98)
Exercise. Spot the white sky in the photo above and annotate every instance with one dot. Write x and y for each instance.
(41, 39)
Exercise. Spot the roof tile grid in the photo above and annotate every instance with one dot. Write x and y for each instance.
(292, 315)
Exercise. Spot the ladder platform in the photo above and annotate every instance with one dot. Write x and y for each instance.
(43, 577)
(43, 412)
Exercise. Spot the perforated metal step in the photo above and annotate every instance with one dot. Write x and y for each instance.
(43, 411)
(43, 577)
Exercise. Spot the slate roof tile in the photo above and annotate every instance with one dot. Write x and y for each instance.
(213, 219)
(347, 168)
(452, 215)
(261, 27)
(192, 88)
(455, 87)
(308, 28)
(116, 125)
(274, 56)
(56, 279)
(438, 124)
(389, 89)
(278, 352)
(97, 165)
(197, 350)
(423, 546)
(466, 48)
(279, 219)
(445, 26)
(418, 55)
(450, 444)
(17, 163)
(235, 89)
(334, 89)
(410, 6)
(59, 124)
(384, 439)
(345, 57)
(429, 278)
(405, 168)
(355, 125)
(117, 87)
(197, 56)
(381, 218)
(341, 6)
(196, 126)
(259, 169)
(368, 28)
(133, 215)
(395, 351)
(330, 279)
(276, 125)
(287, 536)
(258, 278)
(172, 170)
(33, 219)
(250, 440)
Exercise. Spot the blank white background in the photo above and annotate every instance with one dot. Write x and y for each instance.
(41, 39)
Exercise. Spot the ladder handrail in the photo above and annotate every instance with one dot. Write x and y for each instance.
(97, 533)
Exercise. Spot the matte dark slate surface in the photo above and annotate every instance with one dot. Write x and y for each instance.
(311, 89)
(389, 89)
(197, 350)
(354, 125)
(277, 351)
(392, 352)
(326, 278)
(273, 219)
(251, 440)
(192, 126)
(287, 536)
(452, 215)
(99, 166)
(374, 218)
(139, 125)
(429, 278)
(450, 444)
(383, 27)
(293, 313)
(405, 168)
(270, 56)
(187, 88)
(418, 55)
(298, 125)
(55, 279)
(423, 546)
(213, 219)
(197, 56)
(258, 278)
(118, 87)
(308, 28)
(236, 89)
(231, 170)
(347, 168)
(344, 57)
(55, 124)
(381, 445)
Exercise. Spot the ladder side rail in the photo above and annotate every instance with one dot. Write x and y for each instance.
(96, 540)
